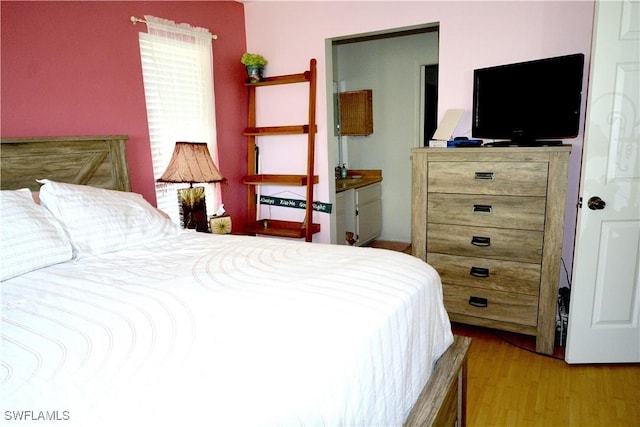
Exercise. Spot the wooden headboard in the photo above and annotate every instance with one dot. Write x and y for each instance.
(99, 161)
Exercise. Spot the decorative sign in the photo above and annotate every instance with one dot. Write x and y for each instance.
(294, 203)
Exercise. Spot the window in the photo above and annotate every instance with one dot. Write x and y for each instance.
(177, 67)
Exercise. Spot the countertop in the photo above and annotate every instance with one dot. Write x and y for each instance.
(358, 178)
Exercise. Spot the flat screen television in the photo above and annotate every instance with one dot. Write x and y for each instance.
(528, 103)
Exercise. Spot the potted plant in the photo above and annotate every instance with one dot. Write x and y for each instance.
(255, 66)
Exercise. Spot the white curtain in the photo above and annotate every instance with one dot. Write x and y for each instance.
(177, 65)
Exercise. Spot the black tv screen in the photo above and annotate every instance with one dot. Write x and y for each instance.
(528, 103)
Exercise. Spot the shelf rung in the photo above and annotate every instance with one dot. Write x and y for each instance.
(272, 227)
(265, 179)
(277, 130)
(281, 80)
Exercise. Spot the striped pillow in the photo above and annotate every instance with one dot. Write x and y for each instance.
(101, 221)
(31, 238)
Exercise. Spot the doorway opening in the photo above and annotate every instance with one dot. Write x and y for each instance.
(429, 102)
(400, 68)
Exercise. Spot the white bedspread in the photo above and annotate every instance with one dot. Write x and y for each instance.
(221, 330)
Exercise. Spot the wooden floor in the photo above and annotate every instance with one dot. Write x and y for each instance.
(510, 385)
(394, 246)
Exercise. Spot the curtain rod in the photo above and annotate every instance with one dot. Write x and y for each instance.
(135, 20)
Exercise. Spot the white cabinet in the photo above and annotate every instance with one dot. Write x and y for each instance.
(359, 215)
(340, 219)
(368, 213)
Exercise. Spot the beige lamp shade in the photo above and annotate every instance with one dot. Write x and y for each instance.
(191, 162)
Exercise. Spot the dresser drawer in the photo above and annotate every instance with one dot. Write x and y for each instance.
(507, 178)
(483, 273)
(485, 242)
(489, 304)
(526, 213)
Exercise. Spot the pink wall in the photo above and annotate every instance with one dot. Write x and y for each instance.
(473, 34)
(73, 68)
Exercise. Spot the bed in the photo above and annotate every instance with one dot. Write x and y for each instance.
(124, 319)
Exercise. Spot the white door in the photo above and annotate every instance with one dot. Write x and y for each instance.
(605, 297)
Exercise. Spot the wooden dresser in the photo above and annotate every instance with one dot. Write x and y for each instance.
(490, 221)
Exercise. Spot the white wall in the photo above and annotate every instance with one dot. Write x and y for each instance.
(473, 34)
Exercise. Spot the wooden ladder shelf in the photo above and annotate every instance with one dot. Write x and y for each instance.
(273, 227)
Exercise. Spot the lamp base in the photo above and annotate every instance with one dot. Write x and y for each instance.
(193, 209)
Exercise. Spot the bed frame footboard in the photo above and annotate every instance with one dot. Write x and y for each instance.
(443, 400)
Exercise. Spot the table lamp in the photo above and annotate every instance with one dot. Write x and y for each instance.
(191, 163)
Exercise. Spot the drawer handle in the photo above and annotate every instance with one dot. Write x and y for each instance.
(478, 302)
(484, 176)
(481, 241)
(479, 272)
(485, 209)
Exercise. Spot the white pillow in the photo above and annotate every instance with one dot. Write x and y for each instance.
(31, 238)
(100, 221)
